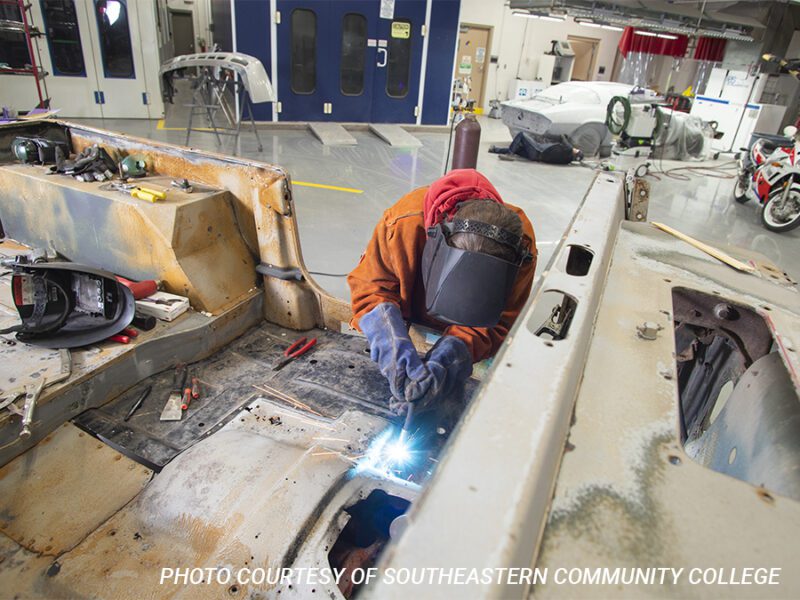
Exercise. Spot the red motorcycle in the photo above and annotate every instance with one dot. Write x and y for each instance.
(769, 173)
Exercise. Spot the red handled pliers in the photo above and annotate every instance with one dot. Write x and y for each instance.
(296, 350)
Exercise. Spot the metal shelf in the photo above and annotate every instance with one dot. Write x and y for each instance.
(30, 32)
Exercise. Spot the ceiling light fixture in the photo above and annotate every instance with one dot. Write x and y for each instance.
(645, 33)
(527, 15)
(613, 28)
(667, 36)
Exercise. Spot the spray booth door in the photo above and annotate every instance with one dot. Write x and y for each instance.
(340, 61)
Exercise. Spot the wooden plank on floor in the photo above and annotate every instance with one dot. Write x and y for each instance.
(332, 134)
(394, 135)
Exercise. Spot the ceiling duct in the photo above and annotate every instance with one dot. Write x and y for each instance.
(742, 21)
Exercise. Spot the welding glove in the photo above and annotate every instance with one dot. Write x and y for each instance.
(449, 363)
(391, 347)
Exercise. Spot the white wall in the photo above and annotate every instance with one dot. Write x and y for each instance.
(201, 17)
(512, 41)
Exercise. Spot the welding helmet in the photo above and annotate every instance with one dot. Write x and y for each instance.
(67, 305)
(464, 287)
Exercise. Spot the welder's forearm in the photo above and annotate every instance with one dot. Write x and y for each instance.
(369, 289)
(373, 281)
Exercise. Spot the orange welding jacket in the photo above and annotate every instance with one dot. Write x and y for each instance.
(390, 268)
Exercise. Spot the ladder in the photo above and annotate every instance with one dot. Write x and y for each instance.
(28, 29)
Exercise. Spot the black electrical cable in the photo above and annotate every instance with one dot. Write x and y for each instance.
(61, 318)
(715, 172)
(328, 274)
(450, 142)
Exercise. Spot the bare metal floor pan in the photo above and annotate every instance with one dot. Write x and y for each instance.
(335, 376)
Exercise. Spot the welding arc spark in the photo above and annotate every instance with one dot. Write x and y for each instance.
(386, 454)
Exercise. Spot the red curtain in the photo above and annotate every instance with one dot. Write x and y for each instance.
(710, 49)
(632, 42)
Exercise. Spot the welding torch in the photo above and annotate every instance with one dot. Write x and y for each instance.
(406, 430)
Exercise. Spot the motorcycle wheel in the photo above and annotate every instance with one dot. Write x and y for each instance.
(771, 216)
(740, 192)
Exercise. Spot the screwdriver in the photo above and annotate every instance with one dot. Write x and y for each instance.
(138, 402)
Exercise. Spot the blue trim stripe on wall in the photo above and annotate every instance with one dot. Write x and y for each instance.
(252, 37)
(441, 50)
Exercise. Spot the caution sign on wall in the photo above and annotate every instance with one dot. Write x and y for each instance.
(401, 30)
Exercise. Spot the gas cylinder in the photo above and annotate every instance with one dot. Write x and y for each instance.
(467, 142)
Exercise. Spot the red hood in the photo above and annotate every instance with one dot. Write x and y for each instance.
(444, 194)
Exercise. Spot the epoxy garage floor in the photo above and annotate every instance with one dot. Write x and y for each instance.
(359, 182)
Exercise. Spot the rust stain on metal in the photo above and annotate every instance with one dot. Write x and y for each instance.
(624, 524)
(44, 493)
(191, 242)
(246, 180)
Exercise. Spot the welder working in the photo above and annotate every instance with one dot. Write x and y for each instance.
(452, 257)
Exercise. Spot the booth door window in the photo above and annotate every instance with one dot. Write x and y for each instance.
(13, 46)
(119, 40)
(399, 63)
(304, 51)
(115, 38)
(303, 34)
(353, 56)
(63, 37)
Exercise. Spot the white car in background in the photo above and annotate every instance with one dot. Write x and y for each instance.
(576, 109)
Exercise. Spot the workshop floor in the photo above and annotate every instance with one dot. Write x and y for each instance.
(335, 224)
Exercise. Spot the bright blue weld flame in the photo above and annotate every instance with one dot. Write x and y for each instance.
(387, 454)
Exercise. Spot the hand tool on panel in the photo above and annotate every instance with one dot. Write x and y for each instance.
(182, 184)
(172, 410)
(137, 191)
(130, 332)
(140, 289)
(31, 395)
(32, 391)
(120, 339)
(296, 350)
(187, 398)
(190, 393)
(138, 403)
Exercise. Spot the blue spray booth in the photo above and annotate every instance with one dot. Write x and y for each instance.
(371, 61)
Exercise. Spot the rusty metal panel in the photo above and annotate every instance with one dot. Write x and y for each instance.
(627, 493)
(57, 493)
(251, 495)
(261, 197)
(102, 372)
(189, 241)
(21, 569)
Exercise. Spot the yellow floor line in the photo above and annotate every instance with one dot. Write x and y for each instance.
(327, 187)
(160, 126)
(321, 186)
